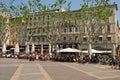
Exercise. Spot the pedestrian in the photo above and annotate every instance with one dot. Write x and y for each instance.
(30, 58)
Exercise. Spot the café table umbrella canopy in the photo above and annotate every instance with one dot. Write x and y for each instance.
(69, 50)
(92, 50)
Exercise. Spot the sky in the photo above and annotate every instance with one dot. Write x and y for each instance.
(75, 5)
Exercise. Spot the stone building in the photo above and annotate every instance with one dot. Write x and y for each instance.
(50, 31)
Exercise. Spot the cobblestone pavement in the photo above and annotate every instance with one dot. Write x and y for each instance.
(20, 69)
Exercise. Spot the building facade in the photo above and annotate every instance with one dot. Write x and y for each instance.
(51, 32)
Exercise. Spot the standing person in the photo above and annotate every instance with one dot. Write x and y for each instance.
(116, 62)
(112, 62)
(30, 57)
(33, 57)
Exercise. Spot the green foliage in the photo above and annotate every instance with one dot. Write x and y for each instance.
(54, 52)
(14, 22)
(3, 26)
(24, 10)
(2, 21)
(60, 3)
(95, 13)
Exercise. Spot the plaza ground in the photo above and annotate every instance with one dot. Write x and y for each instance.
(22, 69)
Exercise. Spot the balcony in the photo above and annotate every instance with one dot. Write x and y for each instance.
(68, 41)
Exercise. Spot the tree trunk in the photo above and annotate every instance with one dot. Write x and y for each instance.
(89, 50)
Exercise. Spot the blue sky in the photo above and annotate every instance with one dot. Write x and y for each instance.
(74, 6)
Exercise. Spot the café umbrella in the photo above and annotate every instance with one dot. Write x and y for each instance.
(92, 50)
(69, 50)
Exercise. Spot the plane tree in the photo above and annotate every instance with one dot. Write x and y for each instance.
(93, 18)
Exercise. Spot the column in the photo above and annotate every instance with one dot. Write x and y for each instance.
(53, 48)
(42, 49)
(114, 51)
(57, 49)
(50, 49)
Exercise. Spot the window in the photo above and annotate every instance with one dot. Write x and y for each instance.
(30, 18)
(70, 38)
(33, 31)
(70, 29)
(53, 23)
(43, 30)
(108, 29)
(38, 31)
(35, 18)
(48, 23)
(43, 20)
(109, 38)
(43, 39)
(84, 29)
(34, 24)
(33, 39)
(64, 38)
(38, 39)
(30, 24)
(48, 17)
(100, 38)
(29, 32)
(39, 17)
(75, 22)
(76, 29)
(76, 37)
(100, 30)
(85, 39)
(65, 30)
